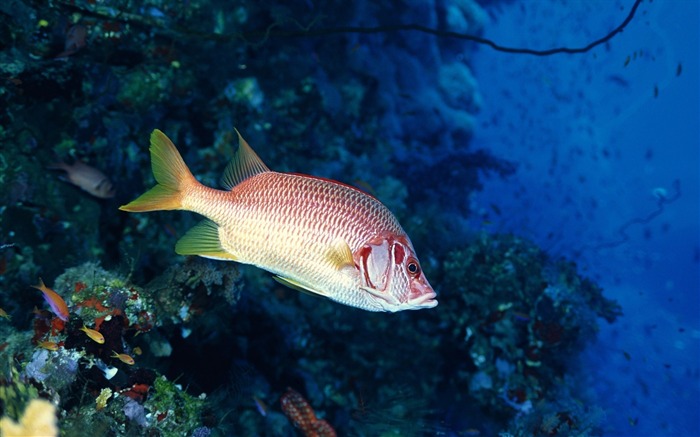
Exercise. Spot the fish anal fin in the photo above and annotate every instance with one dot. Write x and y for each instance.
(340, 255)
(203, 240)
(291, 283)
(245, 163)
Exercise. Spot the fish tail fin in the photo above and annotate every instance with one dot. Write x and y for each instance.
(59, 165)
(171, 174)
(40, 286)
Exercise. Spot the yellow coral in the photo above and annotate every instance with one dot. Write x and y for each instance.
(102, 399)
(39, 420)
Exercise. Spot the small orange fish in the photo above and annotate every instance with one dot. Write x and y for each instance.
(124, 358)
(56, 302)
(87, 178)
(93, 334)
(4, 315)
(49, 345)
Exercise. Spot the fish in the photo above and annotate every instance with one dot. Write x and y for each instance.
(94, 335)
(313, 234)
(48, 345)
(55, 301)
(76, 39)
(86, 178)
(4, 315)
(124, 358)
(260, 406)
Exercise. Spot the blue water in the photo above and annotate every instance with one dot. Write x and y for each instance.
(593, 143)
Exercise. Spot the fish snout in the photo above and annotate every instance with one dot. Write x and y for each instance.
(425, 301)
(104, 189)
(422, 295)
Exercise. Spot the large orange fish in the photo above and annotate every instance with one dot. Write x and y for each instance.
(313, 234)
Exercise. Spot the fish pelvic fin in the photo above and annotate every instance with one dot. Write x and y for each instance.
(203, 240)
(171, 174)
(245, 163)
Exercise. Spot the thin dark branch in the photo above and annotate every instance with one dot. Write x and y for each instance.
(449, 34)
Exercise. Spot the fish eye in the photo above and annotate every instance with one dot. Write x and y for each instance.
(413, 267)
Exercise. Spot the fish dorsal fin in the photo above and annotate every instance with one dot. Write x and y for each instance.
(291, 283)
(245, 163)
(203, 240)
(339, 254)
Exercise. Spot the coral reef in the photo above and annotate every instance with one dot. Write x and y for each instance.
(102, 377)
(184, 348)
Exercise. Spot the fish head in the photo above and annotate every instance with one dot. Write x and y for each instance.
(76, 38)
(391, 274)
(104, 189)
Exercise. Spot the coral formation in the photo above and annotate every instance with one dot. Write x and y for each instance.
(39, 420)
(300, 413)
(200, 347)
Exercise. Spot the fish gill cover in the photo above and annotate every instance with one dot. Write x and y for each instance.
(450, 113)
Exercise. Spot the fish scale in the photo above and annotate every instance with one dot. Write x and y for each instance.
(273, 217)
(321, 212)
(315, 234)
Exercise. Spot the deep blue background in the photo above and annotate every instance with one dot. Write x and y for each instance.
(593, 142)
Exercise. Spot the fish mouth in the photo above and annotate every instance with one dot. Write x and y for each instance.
(425, 301)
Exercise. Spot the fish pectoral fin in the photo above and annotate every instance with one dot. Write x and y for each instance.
(340, 255)
(291, 283)
(203, 240)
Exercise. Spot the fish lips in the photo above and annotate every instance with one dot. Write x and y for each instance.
(421, 294)
(425, 300)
